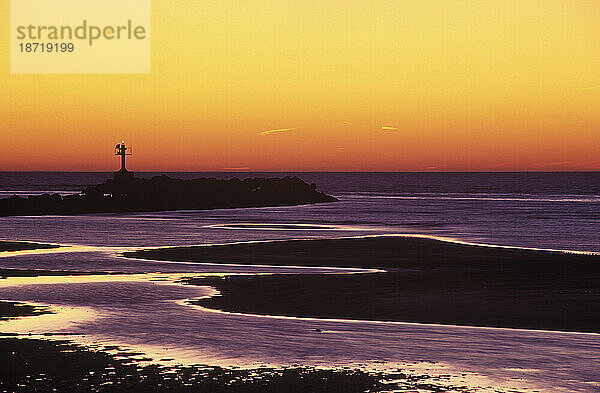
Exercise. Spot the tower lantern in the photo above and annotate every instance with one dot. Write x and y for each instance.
(122, 150)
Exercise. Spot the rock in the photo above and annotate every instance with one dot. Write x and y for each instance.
(133, 194)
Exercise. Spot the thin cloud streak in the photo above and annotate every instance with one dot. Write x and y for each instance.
(278, 131)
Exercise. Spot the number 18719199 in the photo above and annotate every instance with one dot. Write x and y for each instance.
(48, 47)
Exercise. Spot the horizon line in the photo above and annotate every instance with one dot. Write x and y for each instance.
(312, 171)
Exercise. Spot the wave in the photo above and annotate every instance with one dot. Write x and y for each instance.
(475, 197)
(24, 193)
(288, 227)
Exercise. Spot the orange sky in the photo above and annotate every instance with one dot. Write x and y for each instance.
(346, 85)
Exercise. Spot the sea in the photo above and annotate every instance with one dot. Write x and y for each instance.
(149, 311)
(548, 210)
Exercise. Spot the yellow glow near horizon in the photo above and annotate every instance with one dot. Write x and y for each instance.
(378, 85)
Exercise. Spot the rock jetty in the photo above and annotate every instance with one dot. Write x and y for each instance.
(134, 194)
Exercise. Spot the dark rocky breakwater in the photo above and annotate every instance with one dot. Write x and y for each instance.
(133, 194)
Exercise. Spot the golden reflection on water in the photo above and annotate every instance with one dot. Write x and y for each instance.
(57, 324)
(162, 278)
(64, 318)
(62, 248)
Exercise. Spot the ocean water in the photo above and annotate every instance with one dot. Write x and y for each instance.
(556, 210)
(148, 311)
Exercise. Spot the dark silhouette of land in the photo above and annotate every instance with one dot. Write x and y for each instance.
(9, 310)
(34, 365)
(19, 246)
(132, 194)
(425, 281)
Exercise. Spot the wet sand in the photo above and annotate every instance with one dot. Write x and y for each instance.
(426, 281)
(9, 310)
(44, 366)
(325, 337)
(19, 246)
(14, 309)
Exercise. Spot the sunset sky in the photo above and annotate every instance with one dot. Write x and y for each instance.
(278, 85)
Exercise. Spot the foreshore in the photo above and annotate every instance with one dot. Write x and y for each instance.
(36, 365)
(10, 246)
(20, 246)
(56, 364)
(426, 280)
(52, 364)
(419, 280)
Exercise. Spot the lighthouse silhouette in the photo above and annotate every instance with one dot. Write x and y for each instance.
(122, 150)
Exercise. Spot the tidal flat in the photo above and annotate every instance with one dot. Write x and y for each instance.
(20, 246)
(421, 280)
(36, 365)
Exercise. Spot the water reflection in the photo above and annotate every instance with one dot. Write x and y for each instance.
(151, 312)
